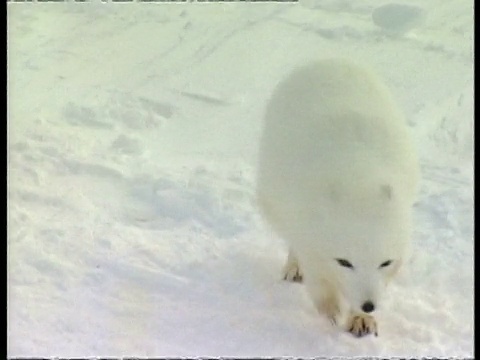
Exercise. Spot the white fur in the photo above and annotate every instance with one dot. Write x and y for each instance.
(337, 177)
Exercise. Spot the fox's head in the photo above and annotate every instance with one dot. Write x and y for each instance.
(362, 283)
(365, 252)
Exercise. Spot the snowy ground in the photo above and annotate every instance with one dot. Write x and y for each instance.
(132, 138)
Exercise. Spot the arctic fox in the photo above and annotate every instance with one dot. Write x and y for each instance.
(337, 178)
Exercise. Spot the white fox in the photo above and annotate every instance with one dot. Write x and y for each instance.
(337, 178)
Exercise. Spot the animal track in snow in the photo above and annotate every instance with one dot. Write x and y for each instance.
(127, 145)
(165, 203)
(84, 116)
(138, 113)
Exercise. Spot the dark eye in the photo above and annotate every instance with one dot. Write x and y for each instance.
(345, 263)
(386, 263)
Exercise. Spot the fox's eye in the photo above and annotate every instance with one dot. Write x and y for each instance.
(386, 263)
(345, 263)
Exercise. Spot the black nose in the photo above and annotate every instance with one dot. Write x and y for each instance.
(368, 306)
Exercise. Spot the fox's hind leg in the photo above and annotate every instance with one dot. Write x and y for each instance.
(291, 270)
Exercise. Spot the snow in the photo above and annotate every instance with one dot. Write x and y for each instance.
(132, 139)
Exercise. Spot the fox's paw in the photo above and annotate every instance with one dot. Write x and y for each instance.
(291, 270)
(362, 324)
(333, 317)
(330, 308)
(292, 273)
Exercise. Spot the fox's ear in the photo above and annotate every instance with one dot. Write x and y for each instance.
(386, 191)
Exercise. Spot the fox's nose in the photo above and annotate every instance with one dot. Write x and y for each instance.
(368, 306)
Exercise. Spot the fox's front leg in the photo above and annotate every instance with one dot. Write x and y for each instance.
(291, 270)
(327, 300)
